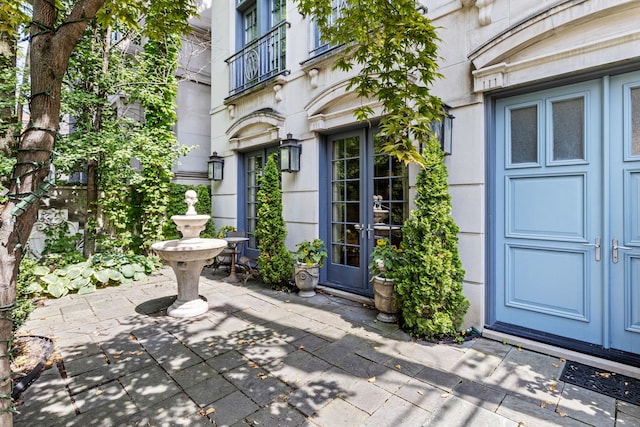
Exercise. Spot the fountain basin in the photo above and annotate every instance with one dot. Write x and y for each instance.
(191, 225)
(188, 257)
(192, 249)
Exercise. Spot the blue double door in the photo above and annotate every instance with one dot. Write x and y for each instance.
(567, 212)
(367, 198)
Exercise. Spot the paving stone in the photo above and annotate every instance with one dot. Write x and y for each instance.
(310, 342)
(365, 396)
(192, 375)
(537, 371)
(178, 410)
(315, 394)
(96, 377)
(587, 406)
(392, 380)
(479, 394)
(112, 413)
(258, 384)
(79, 366)
(231, 409)
(149, 386)
(457, 412)
(530, 414)
(279, 414)
(45, 401)
(100, 395)
(266, 351)
(629, 408)
(210, 390)
(339, 413)
(398, 412)
(476, 365)
(437, 378)
(626, 420)
(299, 367)
(227, 361)
(423, 395)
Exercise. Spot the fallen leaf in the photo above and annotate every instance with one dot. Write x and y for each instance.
(398, 367)
(261, 375)
(372, 380)
(240, 342)
(132, 337)
(210, 411)
(543, 404)
(98, 392)
(555, 365)
(445, 395)
(300, 347)
(552, 387)
(562, 359)
(253, 365)
(562, 414)
(420, 392)
(211, 344)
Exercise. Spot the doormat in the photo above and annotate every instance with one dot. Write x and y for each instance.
(602, 381)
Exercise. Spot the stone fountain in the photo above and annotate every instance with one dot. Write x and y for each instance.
(187, 257)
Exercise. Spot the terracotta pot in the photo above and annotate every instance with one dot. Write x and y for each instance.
(306, 278)
(383, 292)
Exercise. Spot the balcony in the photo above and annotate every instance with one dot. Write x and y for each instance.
(259, 60)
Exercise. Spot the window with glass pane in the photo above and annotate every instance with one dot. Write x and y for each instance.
(568, 129)
(250, 24)
(524, 135)
(345, 201)
(635, 121)
(278, 11)
(255, 162)
(319, 45)
(391, 184)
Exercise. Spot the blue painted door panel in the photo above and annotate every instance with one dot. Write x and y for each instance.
(568, 178)
(625, 211)
(548, 210)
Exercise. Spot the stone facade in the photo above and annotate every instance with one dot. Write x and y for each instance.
(488, 47)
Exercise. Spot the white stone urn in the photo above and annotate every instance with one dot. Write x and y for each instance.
(306, 278)
(384, 299)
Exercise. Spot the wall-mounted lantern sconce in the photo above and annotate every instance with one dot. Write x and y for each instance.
(443, 128)
(290, 150)
(216, 164)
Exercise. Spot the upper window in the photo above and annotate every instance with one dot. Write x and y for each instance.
(261, 43)
(320, 45)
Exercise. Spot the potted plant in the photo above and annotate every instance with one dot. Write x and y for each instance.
(385, 260)
(309, 257)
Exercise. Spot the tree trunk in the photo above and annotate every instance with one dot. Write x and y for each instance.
(51, 48)
(91, 222)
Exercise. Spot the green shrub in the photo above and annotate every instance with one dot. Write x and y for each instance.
(102, 269)
(429, 281)
(275, 260)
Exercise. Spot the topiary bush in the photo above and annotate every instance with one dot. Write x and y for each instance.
(275, 260)
(429, 282)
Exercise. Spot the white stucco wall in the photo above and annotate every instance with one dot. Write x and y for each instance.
(502, 44)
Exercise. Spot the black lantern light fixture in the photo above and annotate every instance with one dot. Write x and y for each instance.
(442, 129)
(216, 164)
(290, 150)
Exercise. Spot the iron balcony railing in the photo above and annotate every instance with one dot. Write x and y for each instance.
(259, 60)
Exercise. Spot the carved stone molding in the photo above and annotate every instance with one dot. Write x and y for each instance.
(313, 77)
(485, 9)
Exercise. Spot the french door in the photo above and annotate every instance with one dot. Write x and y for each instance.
(567, 212)
(362, 180)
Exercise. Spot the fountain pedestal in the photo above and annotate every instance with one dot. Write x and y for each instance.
(187, 257)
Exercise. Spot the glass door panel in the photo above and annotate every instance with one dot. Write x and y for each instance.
(369, 201)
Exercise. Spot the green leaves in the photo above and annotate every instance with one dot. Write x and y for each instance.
(394, 46)
(102, 269)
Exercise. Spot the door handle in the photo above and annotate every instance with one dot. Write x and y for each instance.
(369, 230)
(597, 246)
(360, 228)
(614, 250)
